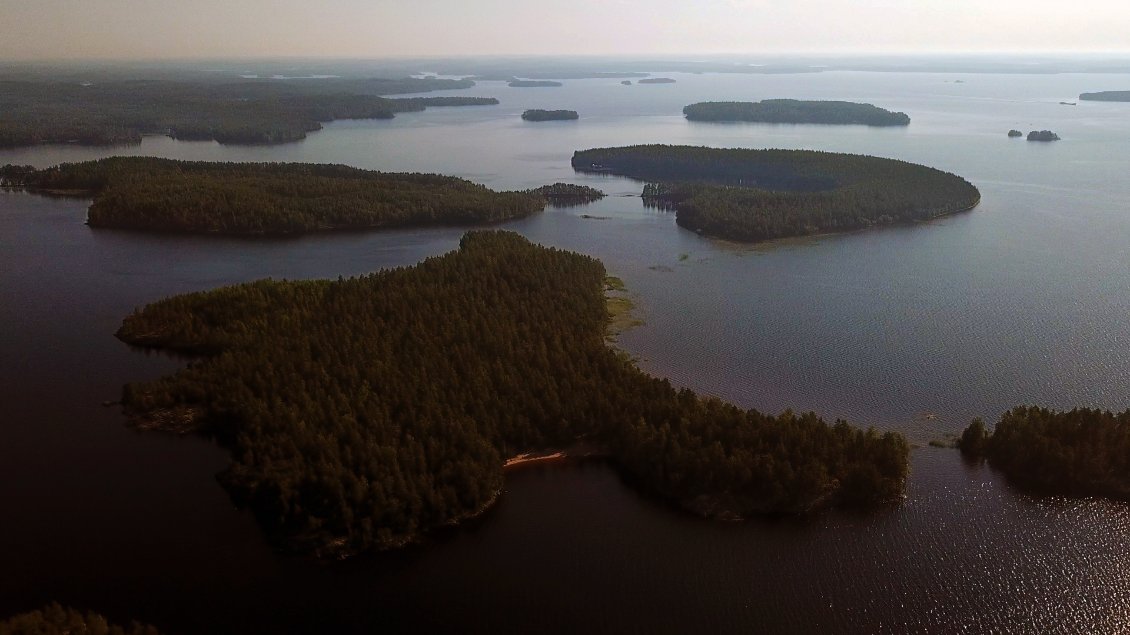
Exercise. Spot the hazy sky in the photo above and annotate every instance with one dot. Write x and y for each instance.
(35, 29)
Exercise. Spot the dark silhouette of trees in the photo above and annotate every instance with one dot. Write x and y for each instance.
(752, 195)
(56, 620)
(363, 411)
(563, 193)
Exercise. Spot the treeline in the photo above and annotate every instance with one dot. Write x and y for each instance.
(537, 114)
(249, 112)
(270, 198)
(795, 111)
(1081, 452)
(560, 193)
(363, 411)
(56, 620)
(752, 195)
(1107, 95)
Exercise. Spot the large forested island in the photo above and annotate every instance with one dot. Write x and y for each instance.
(361, 412)
(1081, 452)
(753, 195)
(152, 194)
(795, 111)
(1107, 95)
(537, 114)
(245, 112)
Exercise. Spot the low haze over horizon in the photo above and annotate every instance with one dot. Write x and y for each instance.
(160, 29)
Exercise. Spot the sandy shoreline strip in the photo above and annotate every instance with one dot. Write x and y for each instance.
(531, 458)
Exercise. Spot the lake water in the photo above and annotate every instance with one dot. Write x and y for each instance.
(1024, 300)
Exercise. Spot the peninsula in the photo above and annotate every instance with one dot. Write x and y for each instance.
(1081, 452)
(151, 194)
(363, 412)
(795, 111)
(755, 195)
(549, 115)
(244, 112)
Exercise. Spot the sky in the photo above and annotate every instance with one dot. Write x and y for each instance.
(178, 29)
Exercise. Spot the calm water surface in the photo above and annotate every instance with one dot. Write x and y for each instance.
(1024, 300)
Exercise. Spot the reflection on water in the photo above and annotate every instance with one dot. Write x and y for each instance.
(1023, 300)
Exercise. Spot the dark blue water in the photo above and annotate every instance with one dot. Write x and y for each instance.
(1023, 300)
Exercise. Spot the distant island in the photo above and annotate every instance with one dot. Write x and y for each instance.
(1042, 135)
(567, 194)
(627, 82)
(754, 195)
(151, 194)
(1015, 133)
(534, 83)
(1108, 95)
(656, 80)
(1081, 452)
(795, 111)
(363, 412)
(537, 114)
(244, 112)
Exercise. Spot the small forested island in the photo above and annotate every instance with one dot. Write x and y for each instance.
(245, 112)
(1042, 135)
(152, 194)
(1015, 133)
(627, 82)
(563, 194)
(362, 412)
(1107, 95)
(656, 80)
(753, 195)
(795, 111)
(533, 83)
(54, 619)
(1081, 452)
(536, 114)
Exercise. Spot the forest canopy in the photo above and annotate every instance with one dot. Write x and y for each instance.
(795, 111)
(244, 112)
(1081, 452)
(269, 198)
(361, 412)
(753, 195)
(563, 193)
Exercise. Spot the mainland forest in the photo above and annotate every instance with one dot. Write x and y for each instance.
(267, 198)
(362, 412)
(795, 111)
(538, 114)
(753, 195)
(244, 112)
(1081, 452)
